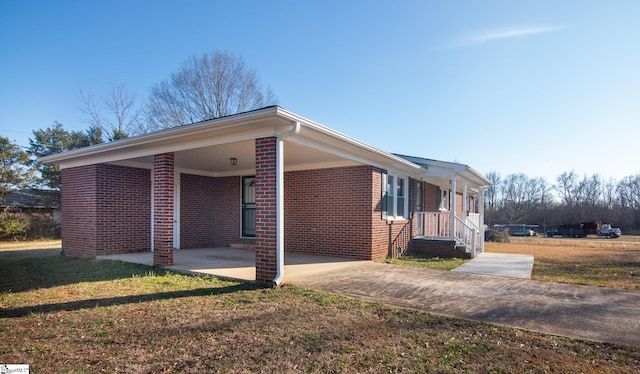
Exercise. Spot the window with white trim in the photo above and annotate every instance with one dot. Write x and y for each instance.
(443, 199)
(394, 193)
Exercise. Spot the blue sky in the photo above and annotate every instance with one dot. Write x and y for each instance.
(538, 87)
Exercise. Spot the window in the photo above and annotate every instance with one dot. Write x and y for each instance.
(419, 196)
(443, 199)
(394, 192)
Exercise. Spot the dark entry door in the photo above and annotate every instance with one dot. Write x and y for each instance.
(249, 206)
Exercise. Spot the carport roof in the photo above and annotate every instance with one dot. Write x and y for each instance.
(206, 147)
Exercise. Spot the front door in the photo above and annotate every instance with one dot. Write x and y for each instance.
(249, 207)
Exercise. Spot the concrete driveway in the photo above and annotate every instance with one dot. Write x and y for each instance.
(592, 313)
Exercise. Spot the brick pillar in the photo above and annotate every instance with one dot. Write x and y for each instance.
(265, 210)
(163, 175)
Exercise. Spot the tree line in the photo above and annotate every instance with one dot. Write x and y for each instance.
(517, 198)
(205, 87)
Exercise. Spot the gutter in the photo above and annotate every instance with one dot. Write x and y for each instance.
(280, 201)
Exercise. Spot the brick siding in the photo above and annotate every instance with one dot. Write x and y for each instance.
(210, 211)
(328, 211)
(124, 209)
(430, 198)
(106, 209)
(79, 213)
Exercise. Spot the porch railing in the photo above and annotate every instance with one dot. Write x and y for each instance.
(437, 225)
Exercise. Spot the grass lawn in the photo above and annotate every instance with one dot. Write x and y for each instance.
(427, 262)
(592, 261)
(61, 314)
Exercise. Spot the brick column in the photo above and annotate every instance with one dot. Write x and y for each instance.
(163, 175)
(266, 225)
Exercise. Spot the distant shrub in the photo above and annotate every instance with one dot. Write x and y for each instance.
(11, 226)
(42, 227)
(496, 236)
(24, 226)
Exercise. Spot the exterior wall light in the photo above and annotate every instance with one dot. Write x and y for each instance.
(234, 161)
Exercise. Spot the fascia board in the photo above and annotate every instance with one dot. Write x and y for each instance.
(357, 155)
(196, 129)
(439, 171)
(320, 137)
(172, 140)
(480, 180)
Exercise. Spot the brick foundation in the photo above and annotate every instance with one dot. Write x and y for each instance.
(438, 248)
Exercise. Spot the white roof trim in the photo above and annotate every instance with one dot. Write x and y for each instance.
(267, 122)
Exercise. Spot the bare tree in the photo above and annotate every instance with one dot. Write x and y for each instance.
(628, 190)
(520, 194)
(565, 186)
(491, 194)
(609, 193)
(123, 116)
(206, 87)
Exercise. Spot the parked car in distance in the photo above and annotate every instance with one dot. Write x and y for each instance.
(583, 229)
(522, 232)
(611, 232)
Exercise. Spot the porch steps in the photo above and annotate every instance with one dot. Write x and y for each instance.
(247, 246)
(439, 247)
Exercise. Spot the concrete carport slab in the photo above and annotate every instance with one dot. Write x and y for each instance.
(237, 263)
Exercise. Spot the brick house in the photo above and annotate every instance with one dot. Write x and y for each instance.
(268, 180)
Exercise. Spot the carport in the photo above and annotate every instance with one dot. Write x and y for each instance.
(220, 183)
(238, 264)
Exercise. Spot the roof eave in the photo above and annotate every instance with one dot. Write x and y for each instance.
(270, 121)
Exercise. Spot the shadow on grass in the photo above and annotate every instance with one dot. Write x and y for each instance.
(26, 270)
(94, 303)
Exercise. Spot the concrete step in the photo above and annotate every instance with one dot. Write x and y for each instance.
(247, 246)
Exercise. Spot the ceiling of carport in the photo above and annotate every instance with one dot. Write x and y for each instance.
(215, 160)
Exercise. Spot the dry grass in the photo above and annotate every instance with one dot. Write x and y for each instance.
(592, 261)
(79, 316)
(428, 262)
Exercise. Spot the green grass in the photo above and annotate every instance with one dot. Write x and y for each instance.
(59, 314)
(426, 262)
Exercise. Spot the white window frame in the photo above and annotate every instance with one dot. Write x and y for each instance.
(445, 199)
(390, 216)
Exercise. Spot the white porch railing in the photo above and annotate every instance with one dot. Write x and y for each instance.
(434, 225)
(437, 225)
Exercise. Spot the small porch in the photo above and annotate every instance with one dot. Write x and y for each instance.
(463, 232)
(452, 224)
